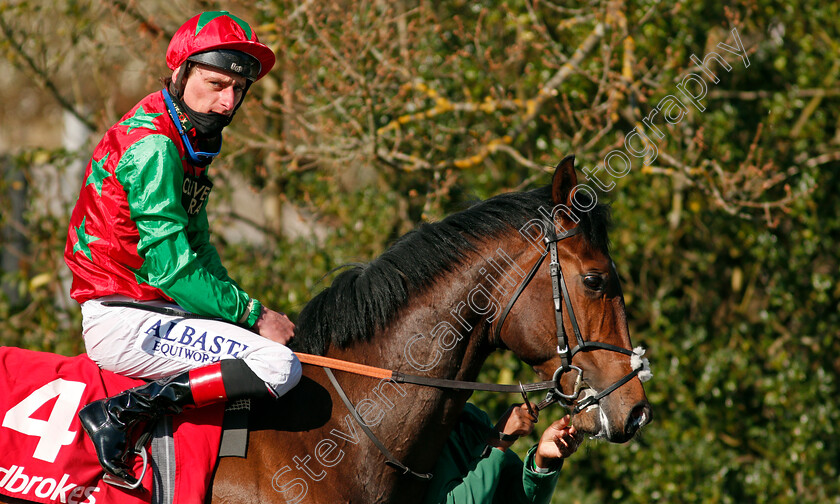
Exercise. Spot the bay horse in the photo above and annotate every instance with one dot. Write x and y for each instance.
(437, 303)
(432, 303)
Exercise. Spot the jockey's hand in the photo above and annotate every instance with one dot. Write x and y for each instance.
(517, 421)
(274, 326)
(560, 440)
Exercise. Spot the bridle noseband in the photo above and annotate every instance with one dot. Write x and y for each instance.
(560, 294)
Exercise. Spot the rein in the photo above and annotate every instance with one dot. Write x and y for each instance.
(441, 383)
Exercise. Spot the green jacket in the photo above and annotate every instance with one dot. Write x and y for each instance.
(462, 476)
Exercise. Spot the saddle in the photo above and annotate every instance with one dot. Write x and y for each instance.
(48, 458)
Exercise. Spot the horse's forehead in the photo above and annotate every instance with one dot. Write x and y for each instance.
(582, 249)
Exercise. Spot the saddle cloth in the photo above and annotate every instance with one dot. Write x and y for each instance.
(45, 455)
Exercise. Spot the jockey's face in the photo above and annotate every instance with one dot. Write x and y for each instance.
(209, 89)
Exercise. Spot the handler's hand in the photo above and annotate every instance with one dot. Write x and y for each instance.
(560, 440)
(516, 421)
(274, 326)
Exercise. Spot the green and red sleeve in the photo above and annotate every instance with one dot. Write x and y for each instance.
(151, 173)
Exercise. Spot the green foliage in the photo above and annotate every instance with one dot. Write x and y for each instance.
(34, 314)
(382, 115)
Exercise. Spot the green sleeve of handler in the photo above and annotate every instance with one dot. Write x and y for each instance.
(151, 173)
(461, 476)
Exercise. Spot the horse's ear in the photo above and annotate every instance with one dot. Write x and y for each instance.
(564, 181)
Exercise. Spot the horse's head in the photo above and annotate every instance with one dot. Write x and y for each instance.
(585, 295)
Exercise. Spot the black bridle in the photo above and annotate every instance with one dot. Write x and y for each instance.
(560, 294)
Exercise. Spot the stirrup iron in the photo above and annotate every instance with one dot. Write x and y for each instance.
(118, 482)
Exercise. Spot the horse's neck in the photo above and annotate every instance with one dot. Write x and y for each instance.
(443, 332)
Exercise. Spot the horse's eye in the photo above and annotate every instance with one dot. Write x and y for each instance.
(594, 282)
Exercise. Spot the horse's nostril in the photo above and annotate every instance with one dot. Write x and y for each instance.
(639, 416)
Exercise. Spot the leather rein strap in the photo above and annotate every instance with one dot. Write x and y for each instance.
(392, 460)
(328, 364)
(441, 383)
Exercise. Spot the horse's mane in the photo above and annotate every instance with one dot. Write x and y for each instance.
(366, 297)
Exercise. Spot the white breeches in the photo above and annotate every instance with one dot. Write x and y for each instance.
(142, 344)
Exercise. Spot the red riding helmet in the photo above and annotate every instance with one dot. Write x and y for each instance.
(213, 38)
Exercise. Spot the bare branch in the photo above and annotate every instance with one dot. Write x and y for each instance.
(761, 94)
(42, 76)
(549, 89)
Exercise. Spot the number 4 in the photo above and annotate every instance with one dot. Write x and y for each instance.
(54, 432)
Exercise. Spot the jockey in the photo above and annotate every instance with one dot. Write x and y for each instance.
(139, 237)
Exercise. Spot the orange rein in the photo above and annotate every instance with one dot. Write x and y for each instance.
(350, 367)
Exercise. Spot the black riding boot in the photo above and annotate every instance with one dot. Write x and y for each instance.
(113, 423)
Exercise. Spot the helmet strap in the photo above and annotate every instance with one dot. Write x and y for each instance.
(181, 122)
(176, 89)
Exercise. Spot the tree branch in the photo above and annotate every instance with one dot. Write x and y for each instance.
(42, 76)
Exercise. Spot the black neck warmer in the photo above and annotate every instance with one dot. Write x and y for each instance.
(206, 124)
